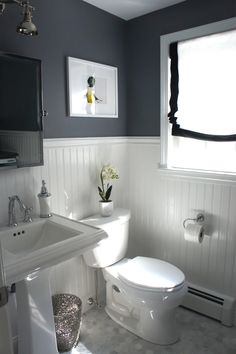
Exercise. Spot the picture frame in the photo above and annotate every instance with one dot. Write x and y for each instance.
(92, 89)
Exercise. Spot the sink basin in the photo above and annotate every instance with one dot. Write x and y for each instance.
(31, 247)
(29, 250)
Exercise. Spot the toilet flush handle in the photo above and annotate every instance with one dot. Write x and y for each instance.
(115, 288)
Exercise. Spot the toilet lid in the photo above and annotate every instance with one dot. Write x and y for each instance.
(151, 274)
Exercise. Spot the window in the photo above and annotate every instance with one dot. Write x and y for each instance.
(207, 77)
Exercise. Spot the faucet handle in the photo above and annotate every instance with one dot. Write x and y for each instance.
(27, 216)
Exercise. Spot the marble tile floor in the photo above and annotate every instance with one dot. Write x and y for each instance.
(199, 335)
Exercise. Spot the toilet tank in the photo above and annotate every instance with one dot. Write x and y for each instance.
(113, 248)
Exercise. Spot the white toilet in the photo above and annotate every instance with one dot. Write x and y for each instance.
(142, 293)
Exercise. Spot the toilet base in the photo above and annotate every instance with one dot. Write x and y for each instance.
(160, 330)
(148, 314)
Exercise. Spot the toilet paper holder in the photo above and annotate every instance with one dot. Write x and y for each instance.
(200, 218)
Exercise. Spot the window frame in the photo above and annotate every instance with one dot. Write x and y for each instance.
(165, 41)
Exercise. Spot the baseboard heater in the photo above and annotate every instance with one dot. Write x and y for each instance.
(210, 303)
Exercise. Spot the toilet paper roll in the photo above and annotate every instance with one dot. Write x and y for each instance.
(194, 233)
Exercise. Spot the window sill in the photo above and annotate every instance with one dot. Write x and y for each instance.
(204, 176)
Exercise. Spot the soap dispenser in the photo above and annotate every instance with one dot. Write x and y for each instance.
(44, 201)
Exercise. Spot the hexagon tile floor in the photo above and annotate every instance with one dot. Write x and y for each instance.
(199, 335)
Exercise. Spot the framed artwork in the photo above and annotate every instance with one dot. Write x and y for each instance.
(92, 89)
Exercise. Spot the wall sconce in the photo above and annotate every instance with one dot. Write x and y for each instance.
(26, 26)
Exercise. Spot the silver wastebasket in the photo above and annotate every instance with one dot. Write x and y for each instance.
(67, 317)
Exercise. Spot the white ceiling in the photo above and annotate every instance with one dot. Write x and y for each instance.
(128, 9)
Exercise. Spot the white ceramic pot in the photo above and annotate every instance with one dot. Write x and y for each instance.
(106, 208)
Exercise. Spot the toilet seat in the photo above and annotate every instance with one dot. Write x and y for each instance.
(151, 274)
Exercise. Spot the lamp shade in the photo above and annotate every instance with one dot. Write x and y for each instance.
(27, 27)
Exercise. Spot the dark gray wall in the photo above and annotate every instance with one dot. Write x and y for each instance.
(143, 49)
(75, 28)
(70, 28)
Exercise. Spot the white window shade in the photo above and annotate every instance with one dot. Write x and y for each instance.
(207, 82)
(199, 134)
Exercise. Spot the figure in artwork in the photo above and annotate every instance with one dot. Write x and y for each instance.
(91, 97)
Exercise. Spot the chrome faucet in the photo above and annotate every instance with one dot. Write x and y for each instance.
(12, 213)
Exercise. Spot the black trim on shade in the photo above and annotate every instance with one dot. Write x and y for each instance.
(174, 83)
(174, 90)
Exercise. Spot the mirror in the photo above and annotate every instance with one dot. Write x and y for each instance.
(21, 111)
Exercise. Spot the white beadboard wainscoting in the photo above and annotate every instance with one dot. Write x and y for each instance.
(159, 202)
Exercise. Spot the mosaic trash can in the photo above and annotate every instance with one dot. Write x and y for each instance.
(67, 317)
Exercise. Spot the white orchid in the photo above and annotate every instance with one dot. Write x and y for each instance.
(108, 172)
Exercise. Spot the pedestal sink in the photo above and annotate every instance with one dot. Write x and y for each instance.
(29, 250)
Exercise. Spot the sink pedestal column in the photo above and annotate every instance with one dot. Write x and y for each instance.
(36, 330)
